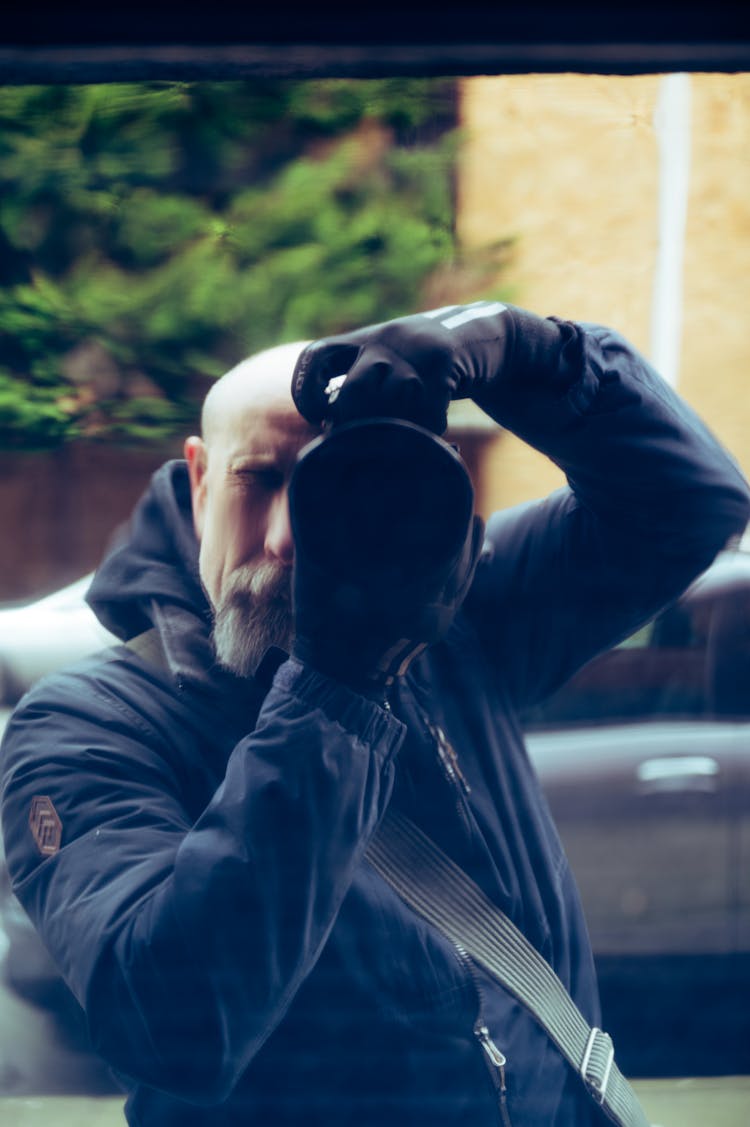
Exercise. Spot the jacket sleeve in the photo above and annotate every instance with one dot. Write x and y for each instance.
(176, 933)
(651, 498)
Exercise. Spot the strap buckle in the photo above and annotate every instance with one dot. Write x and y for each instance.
(596, 1066)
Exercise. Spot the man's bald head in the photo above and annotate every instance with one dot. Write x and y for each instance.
(260, 383)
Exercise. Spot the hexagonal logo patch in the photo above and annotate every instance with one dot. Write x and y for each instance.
(45, 825)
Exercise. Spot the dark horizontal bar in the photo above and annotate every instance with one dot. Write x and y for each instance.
(187, 62)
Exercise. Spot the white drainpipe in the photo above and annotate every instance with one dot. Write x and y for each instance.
(672, 127)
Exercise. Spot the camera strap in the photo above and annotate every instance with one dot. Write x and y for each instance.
(435, 887)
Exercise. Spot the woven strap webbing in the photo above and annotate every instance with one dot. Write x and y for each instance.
(447, 898)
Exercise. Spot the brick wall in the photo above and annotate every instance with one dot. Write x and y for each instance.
(58, 510)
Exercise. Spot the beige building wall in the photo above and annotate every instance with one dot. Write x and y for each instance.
(715, 373)
(569, 167)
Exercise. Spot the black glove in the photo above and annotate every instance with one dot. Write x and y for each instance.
(412, 368)
(386, 543)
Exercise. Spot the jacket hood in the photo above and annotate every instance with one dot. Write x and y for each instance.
(149, 576)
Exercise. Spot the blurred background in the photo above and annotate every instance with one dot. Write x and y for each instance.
(153, 234)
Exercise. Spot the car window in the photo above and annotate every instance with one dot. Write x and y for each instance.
(691, 662)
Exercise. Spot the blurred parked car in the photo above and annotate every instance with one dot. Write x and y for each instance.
(645, 760)
(38, 637)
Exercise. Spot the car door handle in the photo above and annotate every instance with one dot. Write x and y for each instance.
(676, 773)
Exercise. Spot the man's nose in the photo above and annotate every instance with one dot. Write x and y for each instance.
(279, 544)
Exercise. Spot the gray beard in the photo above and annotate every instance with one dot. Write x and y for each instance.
(254, 612)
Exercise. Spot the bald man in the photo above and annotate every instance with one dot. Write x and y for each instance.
(186, 824)
(239, 471)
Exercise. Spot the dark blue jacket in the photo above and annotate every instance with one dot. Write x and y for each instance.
(238, 960)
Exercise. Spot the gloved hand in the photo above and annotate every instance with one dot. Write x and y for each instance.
(411, 368)
(386, 543)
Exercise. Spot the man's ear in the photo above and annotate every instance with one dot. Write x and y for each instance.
(196, 458)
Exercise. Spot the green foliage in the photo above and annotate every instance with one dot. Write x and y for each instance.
(151, 235)
(25, 411)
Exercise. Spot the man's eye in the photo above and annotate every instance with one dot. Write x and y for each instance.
(266, 480)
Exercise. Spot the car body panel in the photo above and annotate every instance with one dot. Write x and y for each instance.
(645, 760)
(41, 636)
(651, 833)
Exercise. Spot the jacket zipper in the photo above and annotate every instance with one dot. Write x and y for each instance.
(494, 1058)
(451, 768)
(498, 1062)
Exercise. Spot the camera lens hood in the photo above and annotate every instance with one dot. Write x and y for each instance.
(382, 511)
(380, 493)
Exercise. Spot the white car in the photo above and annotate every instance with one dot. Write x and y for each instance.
(44, 635)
